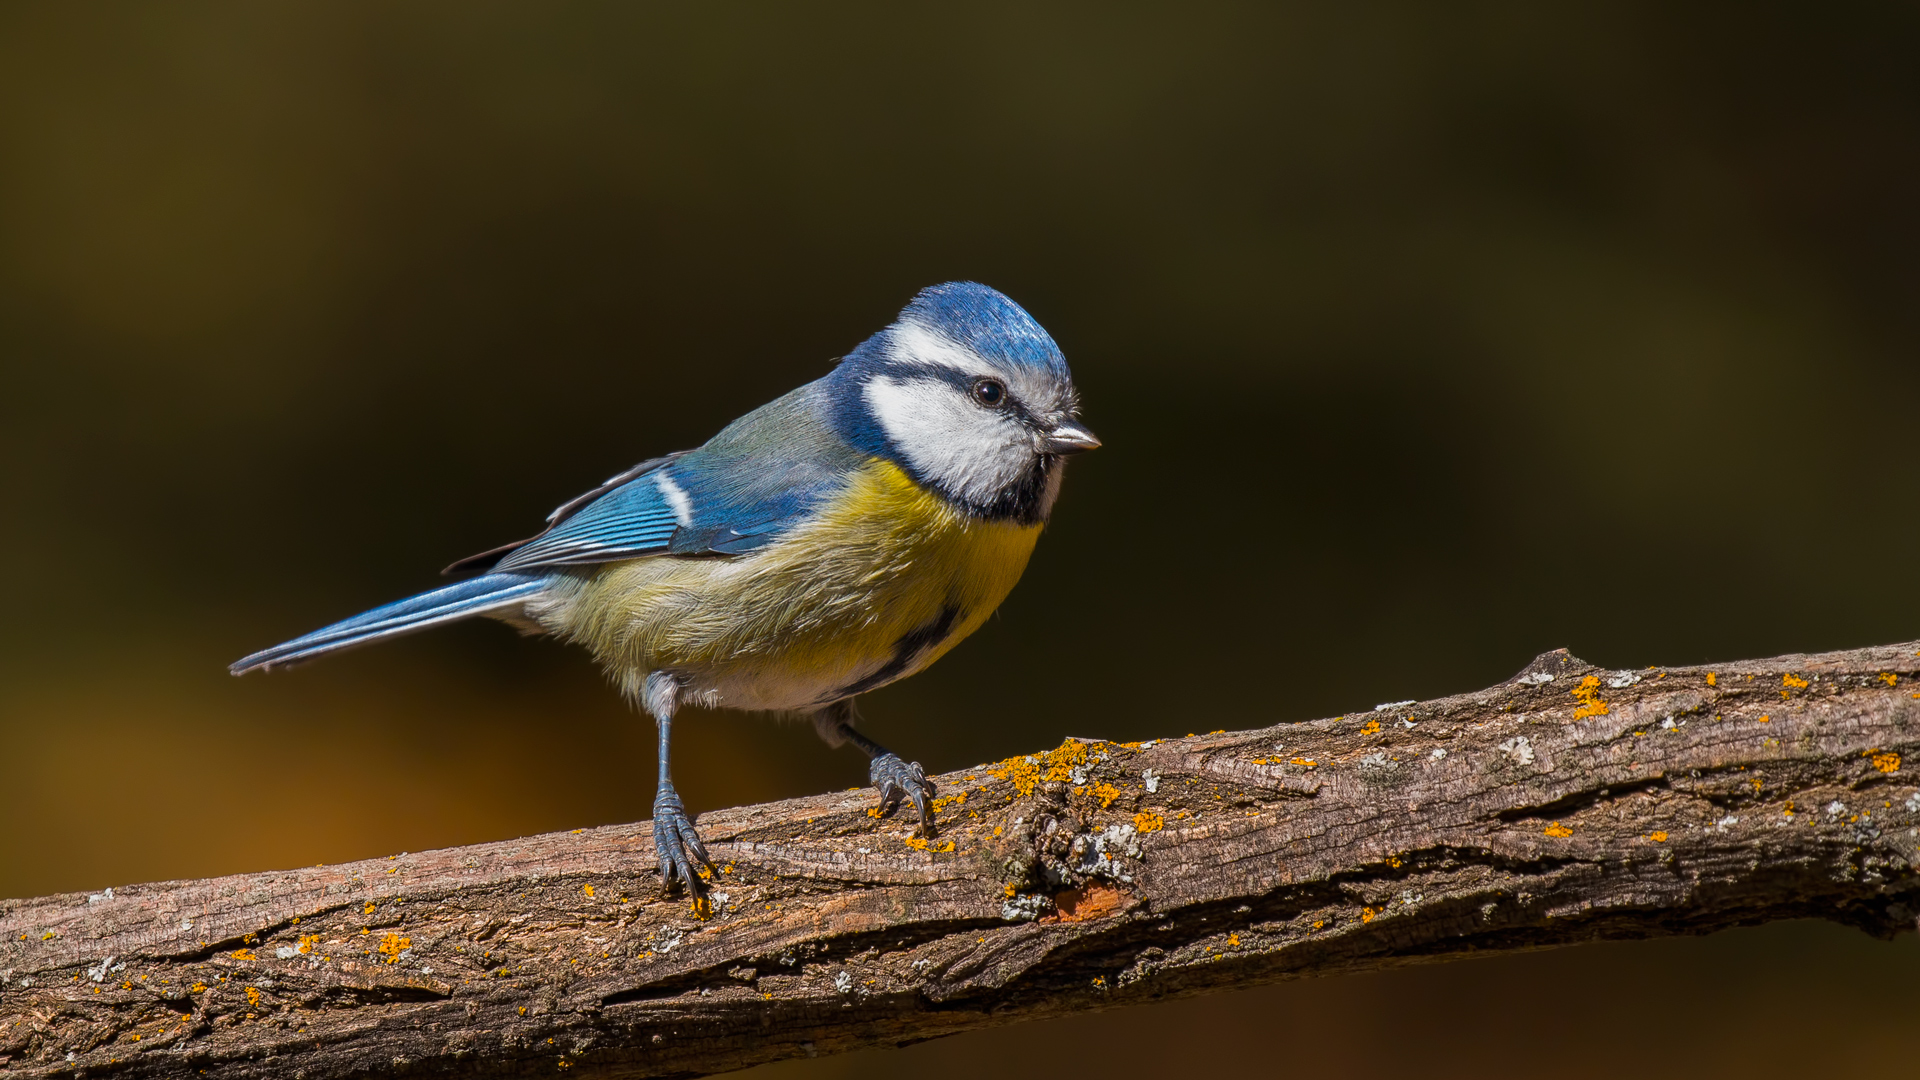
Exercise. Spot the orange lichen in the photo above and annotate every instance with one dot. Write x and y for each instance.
(1713, 679)
(1026, 771)
(1372, 728)
(370, 908)
(1106, 793)
(1886, 761)
(253, 996)
(949, 800)
(1147, 822)
(1755, 781)
(1658, 837)
(588, 889)
(1061, 760)
(244, 954)
(1889, 678)
(197, 988)
(392, 945)
(1318, 923)
(1557, 829)
(1789, 680)
(1765, 719)
(921, 843)
(1367, 914)
(1588, 695)
(307, 943)
(1789, 808)
(1304, 763)
(1010, 890)
(1233, 940)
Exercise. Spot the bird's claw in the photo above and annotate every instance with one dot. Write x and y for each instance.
(677, 844)
(902, 780)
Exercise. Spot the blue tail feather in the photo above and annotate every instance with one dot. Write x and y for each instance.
(461, 600)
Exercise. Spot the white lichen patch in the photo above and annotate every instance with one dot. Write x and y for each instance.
(1518, 749)
(1624, 679)
(1023, 908)
(1538, 678)
(1097, 854)
(1385, 705)
(1152, 780)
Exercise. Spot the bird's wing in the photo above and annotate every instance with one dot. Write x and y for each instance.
(625, 520)
(488, 559)
(738, 492)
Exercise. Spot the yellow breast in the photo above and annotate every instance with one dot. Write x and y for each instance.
(881, 582)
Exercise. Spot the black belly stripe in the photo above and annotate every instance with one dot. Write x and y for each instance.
(905, 652)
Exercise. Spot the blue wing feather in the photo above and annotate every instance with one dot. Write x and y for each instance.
(742, 490)
(632, 520)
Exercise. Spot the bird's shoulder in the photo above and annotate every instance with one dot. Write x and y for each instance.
(737, 492)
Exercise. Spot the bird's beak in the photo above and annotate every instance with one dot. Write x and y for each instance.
(1068, 437)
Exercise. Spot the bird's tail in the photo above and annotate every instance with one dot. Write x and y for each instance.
(478, 596)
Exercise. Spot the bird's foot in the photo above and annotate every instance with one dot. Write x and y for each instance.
(898, 780)
(677, 844)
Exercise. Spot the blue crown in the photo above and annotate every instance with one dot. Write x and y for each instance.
(987, 322)
(977, 317)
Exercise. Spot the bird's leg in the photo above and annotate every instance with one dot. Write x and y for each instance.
(674, 838)
(896, 779)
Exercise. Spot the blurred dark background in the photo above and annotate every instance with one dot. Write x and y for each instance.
(1423, 338)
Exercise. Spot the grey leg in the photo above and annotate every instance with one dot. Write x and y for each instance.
(674, 839)
(897, 780)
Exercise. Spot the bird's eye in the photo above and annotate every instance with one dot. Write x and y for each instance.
(990, 392)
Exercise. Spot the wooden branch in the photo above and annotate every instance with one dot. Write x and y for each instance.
(1565, 805)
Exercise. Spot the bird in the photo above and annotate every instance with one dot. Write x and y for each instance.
(839, 538)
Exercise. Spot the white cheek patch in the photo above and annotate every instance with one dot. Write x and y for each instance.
(969, 451)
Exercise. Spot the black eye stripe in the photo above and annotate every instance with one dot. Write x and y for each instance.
(963, 382)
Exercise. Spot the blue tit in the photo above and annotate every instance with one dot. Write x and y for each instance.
(837, 539)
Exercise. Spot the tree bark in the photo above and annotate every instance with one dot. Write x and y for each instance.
(1568, 804)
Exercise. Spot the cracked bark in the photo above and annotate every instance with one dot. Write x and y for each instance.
(1568, 804)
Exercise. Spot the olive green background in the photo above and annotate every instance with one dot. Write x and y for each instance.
(1424, 338)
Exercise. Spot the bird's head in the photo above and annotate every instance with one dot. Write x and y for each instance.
(970, 396)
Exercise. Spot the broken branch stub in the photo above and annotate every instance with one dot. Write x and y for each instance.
(1567, 804)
